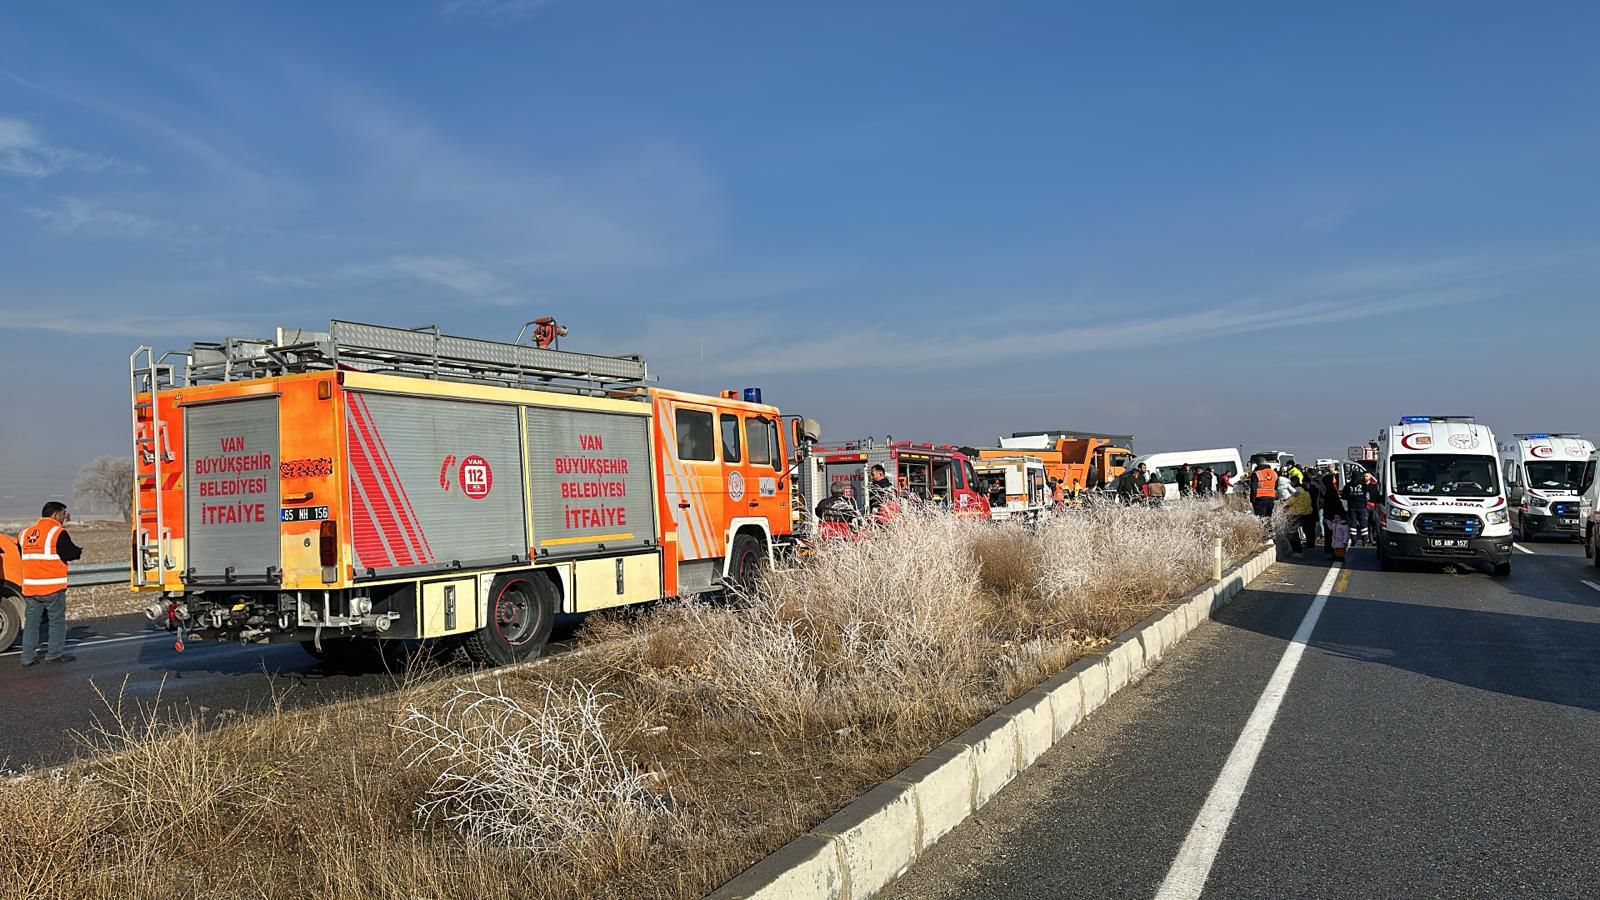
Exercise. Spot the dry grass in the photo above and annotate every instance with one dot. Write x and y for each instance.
(689, 741)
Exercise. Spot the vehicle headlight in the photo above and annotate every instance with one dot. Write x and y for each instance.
(1396, 512)
(1499, 516)
(1537, 502)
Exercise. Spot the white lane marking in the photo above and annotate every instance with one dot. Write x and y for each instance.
(1187, 877)
(1523, 549)
(84, 645)
(1591, 584)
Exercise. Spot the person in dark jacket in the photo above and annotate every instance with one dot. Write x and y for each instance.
(1355, 501)
(1130, 485)
(1314, 487)
(1332, 507)
(1185, 480)
(839, 505)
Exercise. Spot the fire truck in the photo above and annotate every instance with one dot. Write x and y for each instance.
(10, 591)
(941, 475)
(377, 482)
(1016, 487)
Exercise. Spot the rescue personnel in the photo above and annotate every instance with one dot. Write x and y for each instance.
(1263, 488)
(1355, 500)
(46, 548)
(839, 506)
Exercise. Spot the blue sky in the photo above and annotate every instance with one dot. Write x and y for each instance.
(1205, 224)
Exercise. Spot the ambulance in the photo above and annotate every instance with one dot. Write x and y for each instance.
(1443, 498)
(1544, 476)
(374, 482)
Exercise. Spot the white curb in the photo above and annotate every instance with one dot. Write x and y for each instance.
(858, 850)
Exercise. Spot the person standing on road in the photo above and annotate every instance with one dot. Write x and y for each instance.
(1302, 525)
(1263, 489)
(1185, 480)
(1332, 509)
(1355, 500)
(46, 548)
(1206, 481)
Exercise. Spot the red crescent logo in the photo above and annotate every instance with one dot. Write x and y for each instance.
(1542, 451)
(1416, 440)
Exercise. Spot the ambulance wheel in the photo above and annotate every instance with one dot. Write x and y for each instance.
(10, 618)
(1501, 570)
(1385, 563)
(1594, 547)
(747, 560)
(521, 614)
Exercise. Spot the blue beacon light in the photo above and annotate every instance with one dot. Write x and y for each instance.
(752, 395)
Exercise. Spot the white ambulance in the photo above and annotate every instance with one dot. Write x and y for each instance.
(1544, 475)
(1443, 498)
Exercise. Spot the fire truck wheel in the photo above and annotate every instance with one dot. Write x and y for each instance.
(746, 562)
(10, 617)
(522, 611)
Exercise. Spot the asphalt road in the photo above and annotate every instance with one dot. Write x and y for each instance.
(48, 710)
(1440, 738)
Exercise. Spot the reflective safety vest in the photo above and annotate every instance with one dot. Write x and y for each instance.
(1266, 484)
(43, 572)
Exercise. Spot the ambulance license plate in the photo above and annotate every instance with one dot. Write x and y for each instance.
(1570, 523)
(1452, 543)
(303, 514)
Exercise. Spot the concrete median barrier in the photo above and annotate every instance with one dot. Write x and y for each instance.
(860, 849)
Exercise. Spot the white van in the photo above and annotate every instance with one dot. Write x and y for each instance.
(1589, 510)
(1544, 473)
(1443, 498)
(1224, 460)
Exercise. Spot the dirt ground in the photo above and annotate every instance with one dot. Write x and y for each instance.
(103, 542)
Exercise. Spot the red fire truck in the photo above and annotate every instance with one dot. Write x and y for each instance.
(939, 474)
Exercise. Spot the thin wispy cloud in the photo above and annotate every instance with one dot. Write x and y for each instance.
(493, 9)
(1357, 294)
(75, 215)
(24, 152)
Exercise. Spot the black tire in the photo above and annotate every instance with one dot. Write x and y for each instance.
(1594, 548)
(10, 618)
(521, 613)
(1501, 570)
(747, 562)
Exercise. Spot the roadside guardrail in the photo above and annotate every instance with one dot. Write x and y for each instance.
(96, 573)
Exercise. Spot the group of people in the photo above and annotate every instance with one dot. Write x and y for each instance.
(1319, 506)
(1140, 485)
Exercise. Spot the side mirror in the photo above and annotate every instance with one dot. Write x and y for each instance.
(804, 431)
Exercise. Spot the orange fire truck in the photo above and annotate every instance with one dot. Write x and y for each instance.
(367, 481)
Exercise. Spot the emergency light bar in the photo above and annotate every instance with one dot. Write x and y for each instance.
(1422, 420)
(1545, 437)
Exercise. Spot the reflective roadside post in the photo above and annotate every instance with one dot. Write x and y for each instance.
(1216, 561)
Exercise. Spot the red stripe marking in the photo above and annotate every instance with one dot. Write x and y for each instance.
(364, 536)
(365, 470)
(392, 490)
(409, 514)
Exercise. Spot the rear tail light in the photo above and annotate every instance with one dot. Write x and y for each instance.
(328, 542)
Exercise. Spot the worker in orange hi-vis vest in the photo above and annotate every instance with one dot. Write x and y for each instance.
(1263, 489)
(46, 548)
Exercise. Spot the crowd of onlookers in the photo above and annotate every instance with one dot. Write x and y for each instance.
(1321, 506)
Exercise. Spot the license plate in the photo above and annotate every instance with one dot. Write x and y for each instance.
(1453, 543)
(303, 514)
(1570, 523)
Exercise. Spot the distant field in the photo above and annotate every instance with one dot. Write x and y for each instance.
(102, 542)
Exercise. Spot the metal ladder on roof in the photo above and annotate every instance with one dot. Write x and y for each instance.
(152, 452)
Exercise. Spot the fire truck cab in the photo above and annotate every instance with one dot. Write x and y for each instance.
(367, 481)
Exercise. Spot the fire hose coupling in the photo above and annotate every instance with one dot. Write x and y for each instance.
(167, 611)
